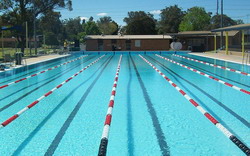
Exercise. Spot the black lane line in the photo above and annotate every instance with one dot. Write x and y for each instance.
(157, 126)
(130, 142)
(204, 70)
(53, 146)
(38, 128)
(237, 116)
(43, 68)
(38, 82)
(42, 85)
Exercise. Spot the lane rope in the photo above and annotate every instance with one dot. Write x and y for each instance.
(224, 130)
(41, 72)
(105, 133)
(206, 75)
(8, 121)
(214, 65)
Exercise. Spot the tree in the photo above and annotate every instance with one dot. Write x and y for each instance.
(140, 23)
(21, 11)
(196, 19)
(91, 28)
(51, 27)
(107, 26)
(227, 21)
(170, 20)
(73, 27)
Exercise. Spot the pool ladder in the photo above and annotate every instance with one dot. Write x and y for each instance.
(246, 58)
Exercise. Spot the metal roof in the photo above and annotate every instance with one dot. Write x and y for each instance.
(127, 37)
(201, 33)
(235, 27)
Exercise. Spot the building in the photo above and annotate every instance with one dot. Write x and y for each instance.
(234, 37)
(128, 42)
(200, 41)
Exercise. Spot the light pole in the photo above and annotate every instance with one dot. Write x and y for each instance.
(221, 25)
(34, 25)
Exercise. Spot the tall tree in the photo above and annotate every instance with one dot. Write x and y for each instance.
(170, 20)
(91, 28)
(227, 21)
(51, 27)
(196, 19)
(21, 11)
(73, 27)
(107, 26)
(140, 23)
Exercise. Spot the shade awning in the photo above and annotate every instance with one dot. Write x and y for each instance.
(235, 27)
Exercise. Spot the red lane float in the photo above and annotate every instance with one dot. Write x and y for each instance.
(224, 130)
(206, 75)
(5, 123)
(104, 139)
(41, 72)
(214, 65)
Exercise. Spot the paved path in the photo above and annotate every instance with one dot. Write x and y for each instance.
(221, 56)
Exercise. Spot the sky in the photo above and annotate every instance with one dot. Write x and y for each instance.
(118, 9)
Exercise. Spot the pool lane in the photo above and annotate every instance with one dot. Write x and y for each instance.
(238, 66)
(222, 74)
(31, 69)
(20, 112)
(40, 72)
(70, 121)
(22, 91)
(241, 145)
(227, 82)
(184, 128)
(41, 111)
(202, 90)
(223, 105)
(213, 65)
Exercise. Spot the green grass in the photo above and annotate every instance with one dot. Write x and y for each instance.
(27, 52)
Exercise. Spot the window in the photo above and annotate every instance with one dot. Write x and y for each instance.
(128, 44)
(137, 43)
(100, 45)
(113, 41)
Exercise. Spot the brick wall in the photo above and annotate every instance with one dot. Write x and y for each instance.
(146, 44)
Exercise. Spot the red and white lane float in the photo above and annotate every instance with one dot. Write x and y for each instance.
(41, 72)
(8, 121)
(224, 130)
(105, 133)
(213, 65)
(206, 75)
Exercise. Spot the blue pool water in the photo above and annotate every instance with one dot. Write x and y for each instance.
(149, 117)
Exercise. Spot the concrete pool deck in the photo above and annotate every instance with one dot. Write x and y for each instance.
(43, 58)
(38, 59)
(222, 56)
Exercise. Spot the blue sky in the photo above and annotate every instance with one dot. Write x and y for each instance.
(118, 9)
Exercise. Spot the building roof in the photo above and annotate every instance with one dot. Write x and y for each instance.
(195, 33)
(202, 33)
(235, 27)
(127, 37)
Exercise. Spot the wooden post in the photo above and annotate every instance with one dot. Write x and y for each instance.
(227, 42)
(243, 43)
(215, 42)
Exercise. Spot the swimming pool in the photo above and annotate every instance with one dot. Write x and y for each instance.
(150, 117)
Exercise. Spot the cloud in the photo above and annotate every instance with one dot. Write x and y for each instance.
(84, 18)
(155, 12)
(102, 14)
